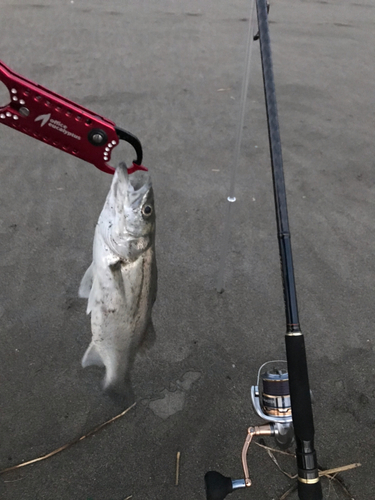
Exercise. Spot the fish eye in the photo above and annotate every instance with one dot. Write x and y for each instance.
(147, 210)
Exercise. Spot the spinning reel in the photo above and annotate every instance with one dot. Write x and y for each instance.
(272, 403)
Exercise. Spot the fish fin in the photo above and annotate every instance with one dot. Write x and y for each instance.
(93, 297)
(86, 283)
(92, 357)
(148, 339)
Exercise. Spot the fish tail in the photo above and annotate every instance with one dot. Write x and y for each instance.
(92, 357)
(114, 383)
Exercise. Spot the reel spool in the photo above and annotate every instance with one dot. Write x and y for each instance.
(275, 394)
(273, 402)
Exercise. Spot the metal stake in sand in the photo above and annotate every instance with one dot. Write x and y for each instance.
(231, 198)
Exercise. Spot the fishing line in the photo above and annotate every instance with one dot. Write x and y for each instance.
(231, 195)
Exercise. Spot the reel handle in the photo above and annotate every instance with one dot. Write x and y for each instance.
(217, 485)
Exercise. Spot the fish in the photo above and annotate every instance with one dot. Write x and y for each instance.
(121, 282)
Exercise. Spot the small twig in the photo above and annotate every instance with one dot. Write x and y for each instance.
(273, 458)
(62, 448)
(178, 467)
(129, 497)
(342, 486)
(326, 472)
(329, 472)
(287, 493)
(275, 450)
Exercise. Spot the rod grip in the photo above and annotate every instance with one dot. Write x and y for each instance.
(310, 491)
(299, 387)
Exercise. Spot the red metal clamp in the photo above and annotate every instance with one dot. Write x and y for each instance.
(55, 120)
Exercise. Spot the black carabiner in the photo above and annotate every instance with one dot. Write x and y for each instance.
(134, 141)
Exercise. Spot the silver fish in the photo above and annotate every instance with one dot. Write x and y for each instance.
(121, 282)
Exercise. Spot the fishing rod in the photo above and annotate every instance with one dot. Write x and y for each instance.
(285, 399)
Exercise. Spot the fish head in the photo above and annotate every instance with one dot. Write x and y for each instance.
(129, 213)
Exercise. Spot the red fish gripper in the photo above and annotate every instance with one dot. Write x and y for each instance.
(55, 120)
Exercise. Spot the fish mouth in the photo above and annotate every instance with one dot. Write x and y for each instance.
(130, 188)
(139, 184)
(137, 191)
(139, 180)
